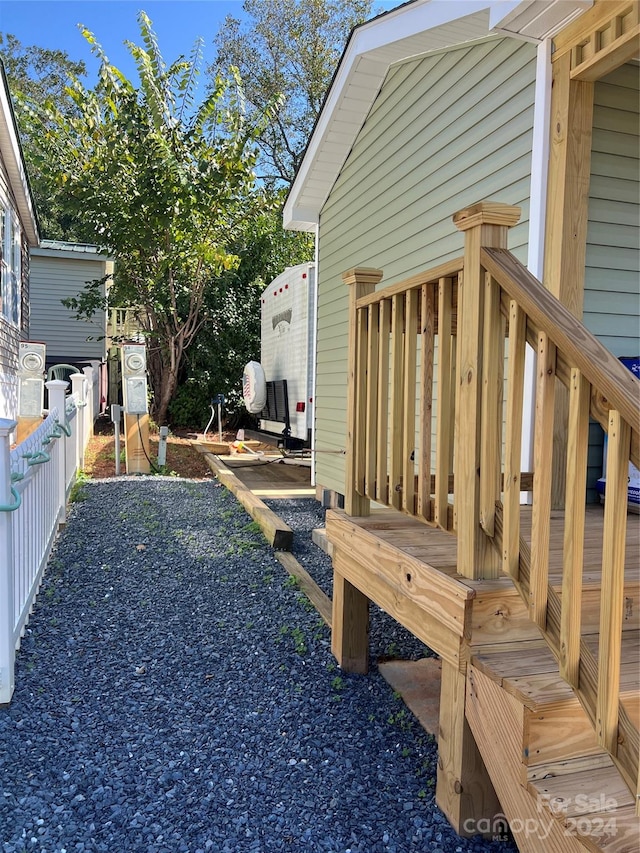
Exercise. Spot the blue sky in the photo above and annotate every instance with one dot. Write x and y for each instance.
(177, 23)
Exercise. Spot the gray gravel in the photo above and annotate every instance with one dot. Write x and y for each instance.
(176, 693)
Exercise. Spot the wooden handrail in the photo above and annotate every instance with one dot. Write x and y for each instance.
(577, 345)
(478, 314)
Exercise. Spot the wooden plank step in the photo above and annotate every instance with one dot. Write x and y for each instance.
(593, 804)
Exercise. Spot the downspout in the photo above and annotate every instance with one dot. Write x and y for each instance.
(537, 223)
(315, 352)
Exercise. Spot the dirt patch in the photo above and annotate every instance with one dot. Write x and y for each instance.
(182, 459)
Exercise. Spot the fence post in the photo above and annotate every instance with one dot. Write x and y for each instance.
(77, 387)
(7, 615)
(485, 224)
(57, 389)
(88, 424)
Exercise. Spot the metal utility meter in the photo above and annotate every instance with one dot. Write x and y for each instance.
(136, 419)
(134, 379)
(31, 364)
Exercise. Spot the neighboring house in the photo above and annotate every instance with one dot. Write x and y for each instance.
(59, 271)
(18, 232)
(473, 181)
(437, 105)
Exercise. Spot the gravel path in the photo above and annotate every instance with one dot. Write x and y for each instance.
(175, 692)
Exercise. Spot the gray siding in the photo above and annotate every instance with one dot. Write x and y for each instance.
(446, 130)
(52, 280)
(612, 275)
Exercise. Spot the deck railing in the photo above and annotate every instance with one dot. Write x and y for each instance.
(35, 480)
(437, 388)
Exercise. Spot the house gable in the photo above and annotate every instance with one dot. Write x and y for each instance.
(445, 128)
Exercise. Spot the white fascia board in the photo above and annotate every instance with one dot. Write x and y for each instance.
(16, 172)
(535, 20)
(396, 29)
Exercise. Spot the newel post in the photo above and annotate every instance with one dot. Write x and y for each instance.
(362, 281)
(57, 389)
(485, 224)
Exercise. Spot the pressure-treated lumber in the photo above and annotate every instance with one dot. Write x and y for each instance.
(275, 531)
(361, 281)
(306, 584)
(464, 790)
(484, 224)
(349, 624)
(496, 721)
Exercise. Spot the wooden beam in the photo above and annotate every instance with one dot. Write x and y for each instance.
(349, 626)
(625, 48)
(464, 790)
(274, 530)
(567, 219)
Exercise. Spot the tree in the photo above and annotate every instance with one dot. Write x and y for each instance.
(162, 183)
(288, 47)
(231, 336)
(35, 75)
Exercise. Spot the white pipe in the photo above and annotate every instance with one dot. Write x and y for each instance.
(315, 353)
(537, 224)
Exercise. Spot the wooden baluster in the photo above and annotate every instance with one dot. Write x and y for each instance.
(427, 338)
(573, 549)
(382, 474)
(513, 443)
(409, 406)
(445, 390)
(371, 418)
(362, 392)
(485, 225)
(542, 479)
(492, 393)
(397, 399)
(361, 281)
(612, 594)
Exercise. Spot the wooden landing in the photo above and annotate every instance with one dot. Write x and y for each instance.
(503, 706)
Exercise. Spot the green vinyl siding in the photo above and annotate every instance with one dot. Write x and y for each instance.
(446, 130)
(612, 274)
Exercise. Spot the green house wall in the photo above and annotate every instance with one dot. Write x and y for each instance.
(446, 130)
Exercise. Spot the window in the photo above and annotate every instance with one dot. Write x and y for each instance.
(10, 274)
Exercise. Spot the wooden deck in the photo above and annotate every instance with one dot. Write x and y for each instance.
(496, 667)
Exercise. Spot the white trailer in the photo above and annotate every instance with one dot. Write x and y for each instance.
(286, 343)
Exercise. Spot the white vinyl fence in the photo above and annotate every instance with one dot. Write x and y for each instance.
(35, 480)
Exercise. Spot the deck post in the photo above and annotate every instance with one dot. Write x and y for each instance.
(464, 790)
(485, 224)
(362, 281)
(349, 626)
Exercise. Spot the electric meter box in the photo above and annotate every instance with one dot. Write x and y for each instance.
(134, 378)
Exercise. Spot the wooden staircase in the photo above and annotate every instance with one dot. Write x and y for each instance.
(533, 610)
(531, 729)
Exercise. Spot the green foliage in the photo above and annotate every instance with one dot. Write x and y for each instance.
(35, 75)
(78, 492)
(162, 184)
(288, 47)
(231, 336)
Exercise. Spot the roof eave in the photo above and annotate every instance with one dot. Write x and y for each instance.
(14, 164)
(410, 30)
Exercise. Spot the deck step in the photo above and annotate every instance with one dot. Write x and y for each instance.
(592, 803)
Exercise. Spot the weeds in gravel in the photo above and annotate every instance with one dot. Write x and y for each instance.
(78, 493)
